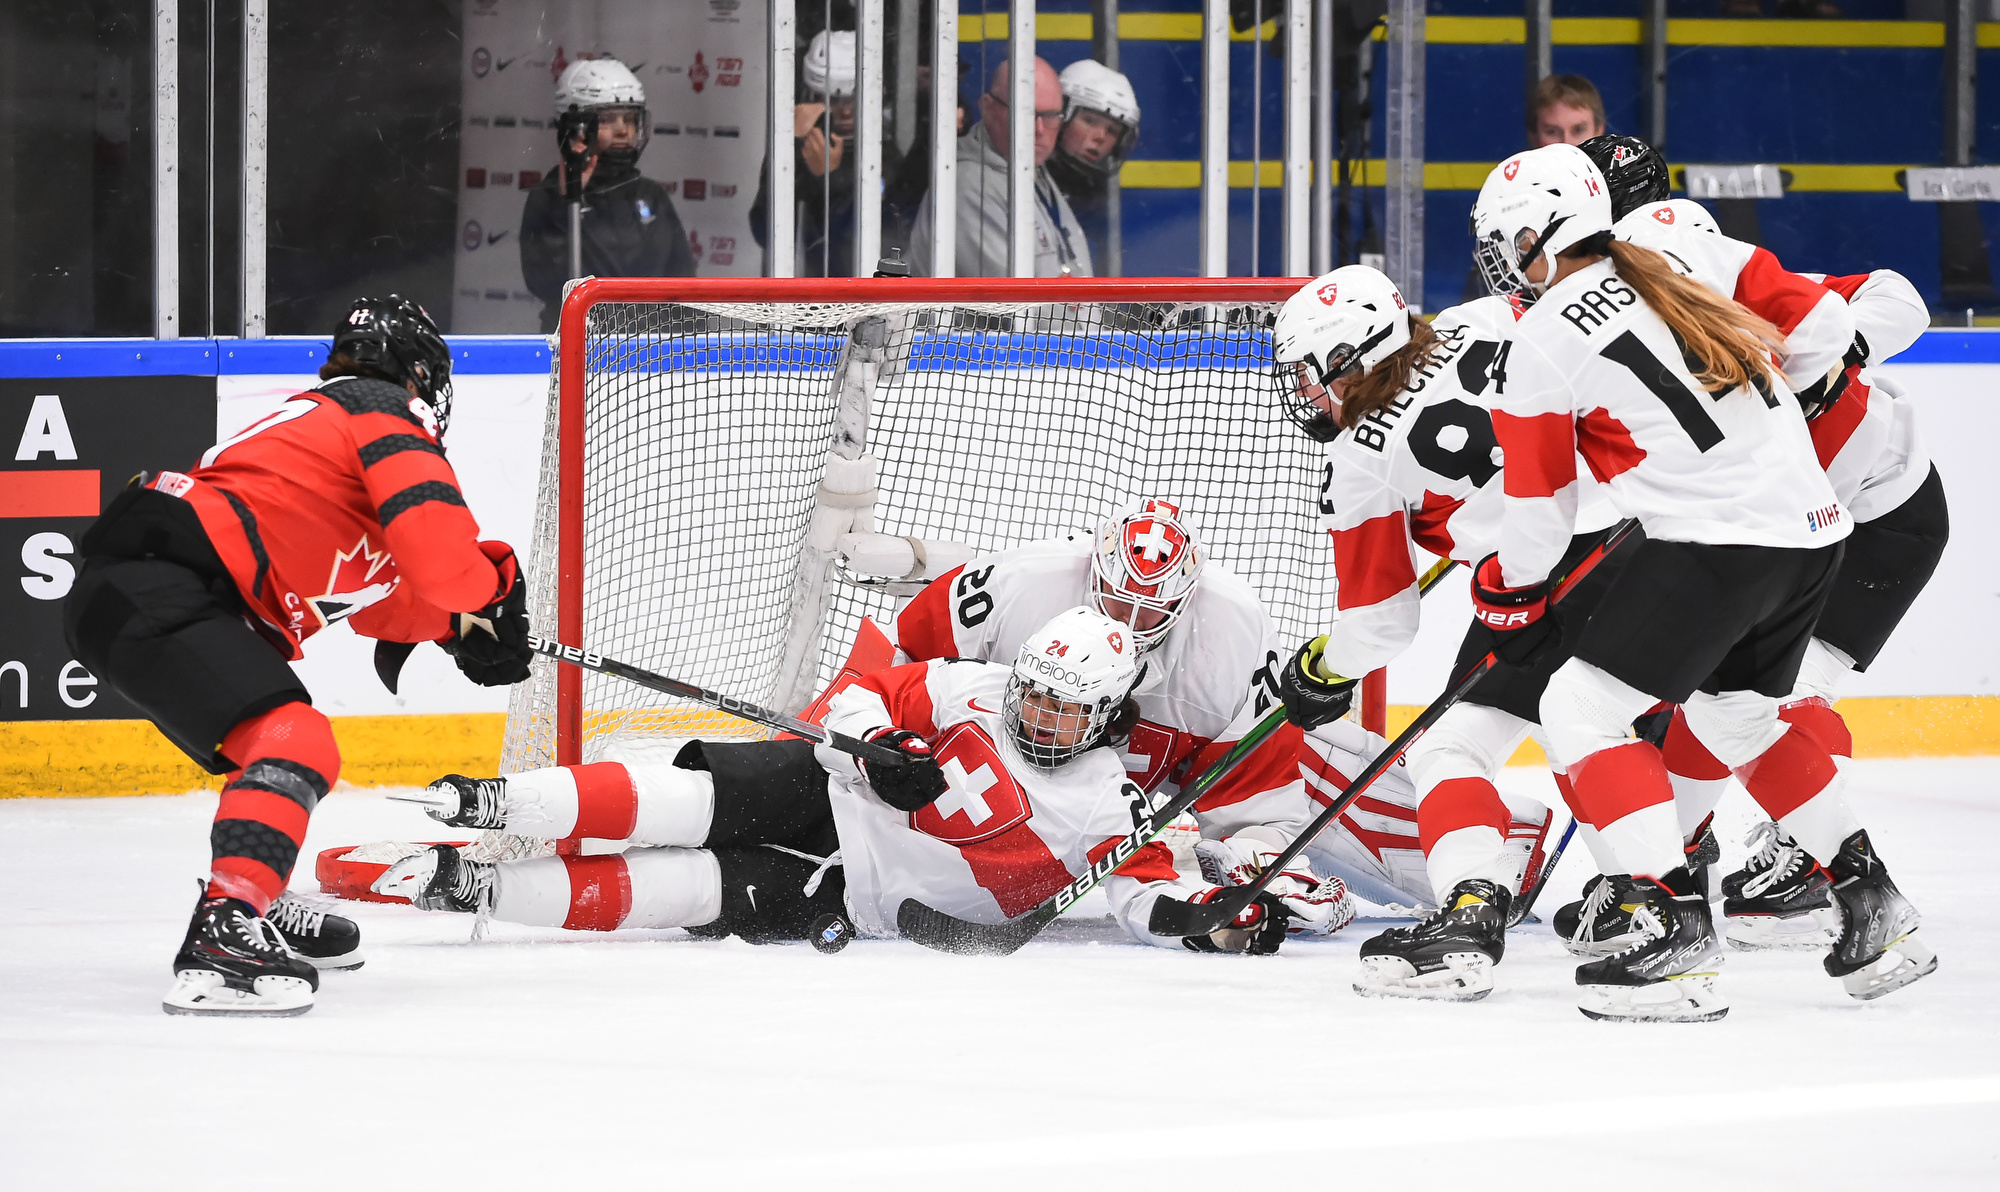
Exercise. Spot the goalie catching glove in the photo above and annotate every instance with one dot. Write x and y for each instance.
(1257, 929)
(911, 784)
(1312, 906)
(1313, 697)
(491, 645)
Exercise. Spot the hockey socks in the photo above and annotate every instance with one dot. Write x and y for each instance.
(288, 761)
(1796, 781)
(1626, 792)
(1463, 827)
(649, 804)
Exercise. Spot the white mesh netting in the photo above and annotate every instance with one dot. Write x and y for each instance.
(707, 432)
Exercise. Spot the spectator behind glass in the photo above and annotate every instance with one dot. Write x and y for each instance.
(1060, 247)
(629, 225)
(1100, 126)
(822, 166)
(1564, 110)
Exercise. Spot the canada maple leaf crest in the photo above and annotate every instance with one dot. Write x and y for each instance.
(352, 584)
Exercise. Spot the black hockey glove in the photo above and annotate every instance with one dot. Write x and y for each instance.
(1523, 621)
(1256, 931)
(491, 645)
(908, 785)
(1310, 697)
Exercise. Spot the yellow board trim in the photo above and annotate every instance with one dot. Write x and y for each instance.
(84, 758)
(1807, 177)
(1512, 31)
(1883, 726)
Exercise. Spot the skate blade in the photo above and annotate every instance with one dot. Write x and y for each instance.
(346, 962)
(1691, 997)
(407, 877)
(1811, 932)
(203, 993)
(1465, 977)
(1904, 962)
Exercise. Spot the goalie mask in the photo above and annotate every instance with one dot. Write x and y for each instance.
(1100, 118)
(1335, 327)
(1144, 567)
(395, 339)
(1070, 680)
(608, 88)
(1635, 174)
(1534, 205)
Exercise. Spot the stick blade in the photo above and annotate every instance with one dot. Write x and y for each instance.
(946, 933)
(1172, 916)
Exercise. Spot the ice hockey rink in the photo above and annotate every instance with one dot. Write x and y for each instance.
(540, 1058)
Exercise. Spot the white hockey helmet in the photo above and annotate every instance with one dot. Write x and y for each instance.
(598, 83)
(1144, 566)
(1070, 680)
(1089, 86)
(1536, 204)
(829, 64)
(1346, 322)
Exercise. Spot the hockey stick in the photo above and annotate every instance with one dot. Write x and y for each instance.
(1526, 902)
(864, 750)
(1172, 916)
(946, 933)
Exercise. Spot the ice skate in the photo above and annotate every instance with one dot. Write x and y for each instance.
(1779, 899)
(460, 802)
(438, 879)
(1448, 956)
(315, 935)
(1601, 922)
(1877, 951)
(1703, 853)
(234, 963)
(1669, 975)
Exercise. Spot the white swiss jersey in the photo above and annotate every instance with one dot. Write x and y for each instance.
(1817, 324)
(1005, 836)
(1867, 440)
(1204, 685)
(1594, 371)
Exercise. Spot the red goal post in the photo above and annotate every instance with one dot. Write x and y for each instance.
(1093, 328)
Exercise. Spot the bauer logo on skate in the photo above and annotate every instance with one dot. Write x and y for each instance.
(1820, 519)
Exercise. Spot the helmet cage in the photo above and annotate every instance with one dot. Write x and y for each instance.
(1112, 578)
(1503, 265)
(1070, 716)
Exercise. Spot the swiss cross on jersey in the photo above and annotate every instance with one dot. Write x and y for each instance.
(981, 799)
(362, 575)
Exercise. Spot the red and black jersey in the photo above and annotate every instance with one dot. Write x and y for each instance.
(341, 506)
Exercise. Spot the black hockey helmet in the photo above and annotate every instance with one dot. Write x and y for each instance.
(395, 339)
(1635, 172)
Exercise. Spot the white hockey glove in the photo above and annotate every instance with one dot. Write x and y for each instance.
(1317, 907)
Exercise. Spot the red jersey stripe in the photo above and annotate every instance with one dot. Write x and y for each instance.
(1153, 863)
(1606, 445)
(1837, 424)
(1373, 561)
(905, 690)
(923, 628)
(1017, 869)
(1541, 453)
(1778, 294)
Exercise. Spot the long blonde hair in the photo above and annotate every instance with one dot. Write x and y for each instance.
(1732, 345)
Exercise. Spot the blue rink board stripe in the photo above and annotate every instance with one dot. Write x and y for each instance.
(503, 355)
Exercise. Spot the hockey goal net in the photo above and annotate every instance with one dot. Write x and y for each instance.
(735, 472)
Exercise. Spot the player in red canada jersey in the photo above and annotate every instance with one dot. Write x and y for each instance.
(1668, 391)
(197, 590)
(1011, 787)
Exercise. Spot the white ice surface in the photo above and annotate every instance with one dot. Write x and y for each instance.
(547, 1059)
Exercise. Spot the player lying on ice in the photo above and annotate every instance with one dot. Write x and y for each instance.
(1211, 656)
(1011, 788)
(198, 589)
(1864, 432)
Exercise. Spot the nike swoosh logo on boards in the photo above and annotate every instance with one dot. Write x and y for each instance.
(494, 237)
(509, 62)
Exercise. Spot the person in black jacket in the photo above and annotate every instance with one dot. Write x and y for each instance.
(630, 228)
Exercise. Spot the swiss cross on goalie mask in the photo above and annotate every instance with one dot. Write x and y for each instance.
(981, 799)
(1155, 547)
(361, 576)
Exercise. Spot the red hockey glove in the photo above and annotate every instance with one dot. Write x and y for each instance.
(909, 785)
(1257, 930)
(1522, 623)
(491, 645)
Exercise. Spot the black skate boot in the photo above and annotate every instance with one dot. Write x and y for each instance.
(319, 937)
(460, 802)
(1703, 852)
(1669, 976)
(1601, 922)
(1878, 951)
(439, 879)
(1778, 901)
(1448, 956)
(233, 962)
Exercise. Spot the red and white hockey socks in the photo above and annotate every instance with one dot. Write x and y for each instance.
(1463, 822)
(1618, 784)
(1699, 779)
(288, 762)
(645, 804)
(1784, 763)
(649, 887)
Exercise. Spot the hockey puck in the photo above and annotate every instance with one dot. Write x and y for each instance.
(831, 933)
